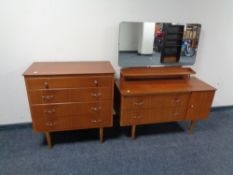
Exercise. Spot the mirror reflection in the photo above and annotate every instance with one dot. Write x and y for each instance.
(148, 44)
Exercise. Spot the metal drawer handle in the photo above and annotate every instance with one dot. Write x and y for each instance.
(96, 121)
(138, 103)
(136, 117)
(96, 94)
(46, 84)
(50, 111)
(48, 97)
(96, 108)
(51, 124)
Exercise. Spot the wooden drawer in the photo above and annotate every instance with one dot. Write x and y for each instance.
(70, 109)
(70, 95)
(154, 101)
(156, 115)
(169, 100)
(136, 102)
(68, 82)
(85, 121)
(160, 115)
(133, 117)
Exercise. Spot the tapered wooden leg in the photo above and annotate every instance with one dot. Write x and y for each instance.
(101, 134)
(48, 138)
(192, 125)
(133, 131)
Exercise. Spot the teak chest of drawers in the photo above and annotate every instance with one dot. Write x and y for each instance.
(166, 94)
(70, 95)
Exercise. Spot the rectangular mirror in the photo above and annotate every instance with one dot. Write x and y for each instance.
(157, 44)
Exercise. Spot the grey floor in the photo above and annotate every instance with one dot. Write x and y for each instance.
(159, 149)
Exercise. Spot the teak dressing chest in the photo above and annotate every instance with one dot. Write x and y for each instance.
(162, 94)
(70, 95)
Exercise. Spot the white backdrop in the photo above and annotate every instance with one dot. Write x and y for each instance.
(37, 30)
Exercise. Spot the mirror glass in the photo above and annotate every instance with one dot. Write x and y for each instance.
(161, 44)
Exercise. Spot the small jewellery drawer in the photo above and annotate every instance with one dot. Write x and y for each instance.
(68, 82)
(70, 109)
(135, 102)
(131, 117)
(166, 100)
(85, 121)
(70, 95)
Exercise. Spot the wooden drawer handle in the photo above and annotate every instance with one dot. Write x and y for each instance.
(47, 98)
(96, 82)
(136, 117)
(175, 114)
(96, 94)
(50, 111)
(46, 84)
(138, 103)
(192, 106)
(51, 124)
(177, 100)
(96, 108)
(96, 121)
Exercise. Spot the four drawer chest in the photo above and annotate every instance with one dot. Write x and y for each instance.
(70, 96)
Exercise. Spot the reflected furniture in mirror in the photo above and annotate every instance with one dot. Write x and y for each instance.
(157, 44)
(69, 96)
(172, 41)
(153, 86)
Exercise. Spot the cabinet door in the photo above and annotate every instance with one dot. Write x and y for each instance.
(199, 105)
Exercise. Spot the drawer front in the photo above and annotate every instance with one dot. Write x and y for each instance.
(71, 109)
(169, 114)
(68, 82)
(86, 121)
(170, 100)
(134, 117)
(137, 102)
(70, 95)
(156, 115)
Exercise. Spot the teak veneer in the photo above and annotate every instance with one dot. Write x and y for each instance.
(70, 95)
(162, 94)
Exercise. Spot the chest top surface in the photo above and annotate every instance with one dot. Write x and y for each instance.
(69, 68)
(163, 86)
